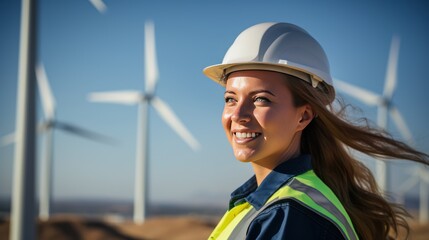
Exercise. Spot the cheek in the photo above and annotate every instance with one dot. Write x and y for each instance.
(279, 123)
(270, 118)
(226, 121)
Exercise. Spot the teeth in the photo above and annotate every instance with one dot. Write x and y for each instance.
(246, 135)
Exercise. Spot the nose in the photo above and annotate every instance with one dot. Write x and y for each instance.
(241, 113)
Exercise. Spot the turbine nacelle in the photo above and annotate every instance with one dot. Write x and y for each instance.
(148, 97)
(386, 102)
(45, 125)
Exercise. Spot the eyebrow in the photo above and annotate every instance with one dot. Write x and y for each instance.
(253, 92)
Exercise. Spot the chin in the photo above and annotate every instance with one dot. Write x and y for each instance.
(244, 156)
(243, 160)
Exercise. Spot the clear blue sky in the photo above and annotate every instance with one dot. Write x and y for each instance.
(84, 51)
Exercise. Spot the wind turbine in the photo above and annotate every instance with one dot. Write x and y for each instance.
(49, 124)
(47, 127)
(143, 100)
(384, 103)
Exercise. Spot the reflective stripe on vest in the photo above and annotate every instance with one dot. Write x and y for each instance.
(308, 190)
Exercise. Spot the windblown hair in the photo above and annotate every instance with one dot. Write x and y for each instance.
(329, 138)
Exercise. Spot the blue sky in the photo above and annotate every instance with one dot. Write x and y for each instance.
(84, 51)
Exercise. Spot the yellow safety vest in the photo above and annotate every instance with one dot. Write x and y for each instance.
(307, 189)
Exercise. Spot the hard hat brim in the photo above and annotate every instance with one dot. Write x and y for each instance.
(219, 72)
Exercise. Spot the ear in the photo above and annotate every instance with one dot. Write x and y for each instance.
(306, 116)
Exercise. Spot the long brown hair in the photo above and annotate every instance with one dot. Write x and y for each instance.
(329, 138)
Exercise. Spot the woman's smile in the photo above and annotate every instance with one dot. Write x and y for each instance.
(245, 137)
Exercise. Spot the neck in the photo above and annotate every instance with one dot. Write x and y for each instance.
(264, 167)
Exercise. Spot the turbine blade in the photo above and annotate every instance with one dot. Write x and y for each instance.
(360, 94)
(120, 97)
(48, 101)
(7, 139)
(401, 124)
(79, 131)
(151, 68)
(391, 72)
(99, 5)
(168, 115)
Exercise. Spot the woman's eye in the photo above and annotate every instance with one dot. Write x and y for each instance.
(229, 100)
(262, 100)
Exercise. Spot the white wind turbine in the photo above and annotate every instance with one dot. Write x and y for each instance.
(143, 100)
(47, 127)
(50, 123)
(384, 104)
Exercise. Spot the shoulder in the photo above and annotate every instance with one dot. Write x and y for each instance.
(289, 219)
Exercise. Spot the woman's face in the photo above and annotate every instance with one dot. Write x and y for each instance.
(260, 120)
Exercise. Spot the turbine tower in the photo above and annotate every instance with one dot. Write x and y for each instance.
(22, 224)
(143, 100)
(384, 104)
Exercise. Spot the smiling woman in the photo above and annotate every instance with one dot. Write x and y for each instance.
(278, 116)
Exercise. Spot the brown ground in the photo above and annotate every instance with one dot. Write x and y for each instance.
(419, 231)
(68, 227)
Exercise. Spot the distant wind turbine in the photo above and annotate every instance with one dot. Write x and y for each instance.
(50, 123)
(384, 103)
(143, 100)
(47, 127)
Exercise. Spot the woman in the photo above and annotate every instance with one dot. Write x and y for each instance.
(278, 116)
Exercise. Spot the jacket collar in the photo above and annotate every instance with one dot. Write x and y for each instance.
(257, 196)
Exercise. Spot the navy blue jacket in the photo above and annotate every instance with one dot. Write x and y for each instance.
(288, 219)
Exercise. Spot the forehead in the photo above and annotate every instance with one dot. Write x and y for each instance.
(256, 79)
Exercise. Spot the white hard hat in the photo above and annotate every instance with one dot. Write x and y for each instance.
(280, 47)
